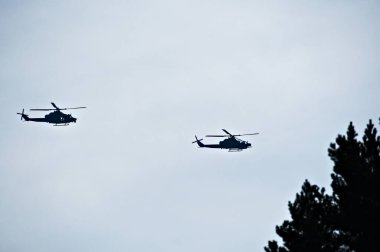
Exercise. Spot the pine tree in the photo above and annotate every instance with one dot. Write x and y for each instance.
(311, 228)
(349, 219)
(356, 187)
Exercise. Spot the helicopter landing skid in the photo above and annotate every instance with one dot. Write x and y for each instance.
(66, 124)
(234, 150)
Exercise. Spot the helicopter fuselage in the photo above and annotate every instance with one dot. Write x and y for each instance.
(229, 143)
(56, 117)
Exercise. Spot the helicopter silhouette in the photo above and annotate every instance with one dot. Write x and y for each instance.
(232, 143)
(57, 117)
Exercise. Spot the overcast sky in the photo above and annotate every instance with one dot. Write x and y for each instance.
(153, 74)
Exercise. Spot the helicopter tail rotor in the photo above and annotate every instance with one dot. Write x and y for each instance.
(22, 113)
(23, 116)
(198, 141)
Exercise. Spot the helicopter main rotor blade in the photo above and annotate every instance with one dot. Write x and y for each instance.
(217, 135)
(55, 106)
(56, 109)
(227, 132)
(72, 108)
(251, 134)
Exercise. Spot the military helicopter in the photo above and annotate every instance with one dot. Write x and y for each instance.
(232, 143)
(57, 117)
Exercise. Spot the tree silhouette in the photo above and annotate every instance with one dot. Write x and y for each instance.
(311, 228)
(356, 187)
(349, 219)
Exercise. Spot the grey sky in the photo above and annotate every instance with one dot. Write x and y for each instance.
(126, 177)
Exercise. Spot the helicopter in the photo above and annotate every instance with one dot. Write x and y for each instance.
(56, 117)
(232, 143)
